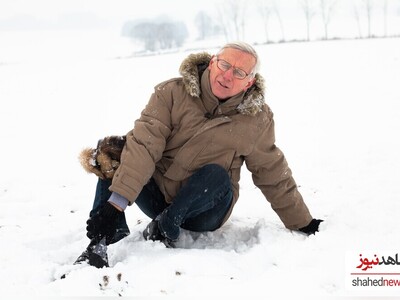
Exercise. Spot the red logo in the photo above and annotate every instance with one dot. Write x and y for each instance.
(378, 260)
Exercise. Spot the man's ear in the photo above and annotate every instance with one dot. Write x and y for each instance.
(249, 84)
(212, 60)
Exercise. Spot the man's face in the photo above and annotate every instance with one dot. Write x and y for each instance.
(225, 84)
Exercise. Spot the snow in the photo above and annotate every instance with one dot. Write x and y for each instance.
(336, 107)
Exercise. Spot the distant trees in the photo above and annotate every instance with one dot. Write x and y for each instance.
(367, 7)
(206, 26)
(266, 9)
(232, 18)
(309, 13)
(278, 15)
(385, 15)
(356, 14)
(368, 11)
(327, 8)
(163, 34)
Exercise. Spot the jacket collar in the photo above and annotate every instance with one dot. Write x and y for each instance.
(192, 69)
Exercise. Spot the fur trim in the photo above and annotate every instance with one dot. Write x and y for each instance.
(104, 160)
(191, 70)
(193, 67)
(88, 162)
(254, 98)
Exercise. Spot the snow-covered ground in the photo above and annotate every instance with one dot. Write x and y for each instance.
(337, 113)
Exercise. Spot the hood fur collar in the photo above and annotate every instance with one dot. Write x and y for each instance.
(193, 67)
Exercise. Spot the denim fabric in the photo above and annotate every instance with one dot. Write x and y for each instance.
(150, 200)
(200, 205)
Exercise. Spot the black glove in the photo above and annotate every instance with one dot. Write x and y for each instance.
(103, 223)
(311, 228)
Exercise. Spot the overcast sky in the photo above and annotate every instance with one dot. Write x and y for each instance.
(103, 14)
(51, 9)
(111, 14)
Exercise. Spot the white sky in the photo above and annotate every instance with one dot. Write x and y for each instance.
(136, 8)
(103, 8)
(17, 14)
(113, 13)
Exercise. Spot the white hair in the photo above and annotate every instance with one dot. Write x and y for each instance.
(244, 47)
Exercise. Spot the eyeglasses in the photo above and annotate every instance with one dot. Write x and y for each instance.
(223, 65)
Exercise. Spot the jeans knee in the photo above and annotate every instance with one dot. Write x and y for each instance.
(215, 170)
(217, 179)
(212, 167)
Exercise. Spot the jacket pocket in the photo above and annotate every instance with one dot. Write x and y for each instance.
(181, 168)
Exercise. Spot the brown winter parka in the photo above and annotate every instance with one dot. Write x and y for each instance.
(184, 127)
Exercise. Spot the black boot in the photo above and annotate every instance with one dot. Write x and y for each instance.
(95, 254)
(153, 232)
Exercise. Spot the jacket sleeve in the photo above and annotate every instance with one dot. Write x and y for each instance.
(271, 173)
(144, 147)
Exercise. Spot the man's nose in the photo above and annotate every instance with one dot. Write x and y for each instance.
(228, 74)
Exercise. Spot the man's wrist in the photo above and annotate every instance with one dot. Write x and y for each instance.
(118, 201)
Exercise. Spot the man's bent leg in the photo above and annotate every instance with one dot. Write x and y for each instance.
(150, 200)
(211, 219)
(200, 205)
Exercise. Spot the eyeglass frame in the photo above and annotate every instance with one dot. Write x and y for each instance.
(234, 68)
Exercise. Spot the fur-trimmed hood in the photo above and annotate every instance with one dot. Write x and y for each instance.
(193, 67)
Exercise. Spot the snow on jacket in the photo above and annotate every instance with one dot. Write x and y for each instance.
(184, 127)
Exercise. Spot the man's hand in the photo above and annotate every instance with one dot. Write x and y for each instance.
(103, 223)
(311, 228)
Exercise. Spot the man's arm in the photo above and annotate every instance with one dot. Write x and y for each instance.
(144, 146)
(271, 173)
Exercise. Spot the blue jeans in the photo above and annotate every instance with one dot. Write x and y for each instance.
(200, 205)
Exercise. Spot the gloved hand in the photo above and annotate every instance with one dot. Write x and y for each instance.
(311, 228)
(103, 223)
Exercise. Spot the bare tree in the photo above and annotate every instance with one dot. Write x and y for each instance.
(145, 32)
(160, 35)
(205, 25)
(385, 12)
(309, 13)
(327, 9)
(368, 11)
(238, 12)
(232, 18)
(265, 10)
(278, 15)
(223, 23)
(356, 13)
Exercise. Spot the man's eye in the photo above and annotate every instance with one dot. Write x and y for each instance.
(239, 73)
(225, 65)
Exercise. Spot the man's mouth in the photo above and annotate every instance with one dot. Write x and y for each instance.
(221, 84)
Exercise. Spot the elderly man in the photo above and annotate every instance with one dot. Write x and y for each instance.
(181, 162)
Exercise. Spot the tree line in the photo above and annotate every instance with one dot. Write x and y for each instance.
(231, 17)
